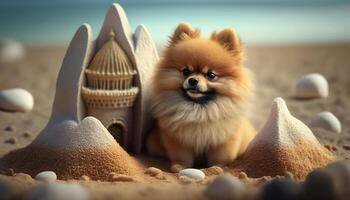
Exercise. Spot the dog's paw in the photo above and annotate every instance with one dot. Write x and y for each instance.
(176, 168)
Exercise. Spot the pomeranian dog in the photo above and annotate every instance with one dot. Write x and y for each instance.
(200, 93)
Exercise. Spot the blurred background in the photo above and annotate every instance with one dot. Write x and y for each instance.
(47, 22)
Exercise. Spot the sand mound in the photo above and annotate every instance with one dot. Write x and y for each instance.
(72, 150)
(283, 144)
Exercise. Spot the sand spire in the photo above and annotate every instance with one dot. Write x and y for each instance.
(283, 144)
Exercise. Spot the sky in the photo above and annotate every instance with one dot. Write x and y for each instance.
(38, 22)
(80, 2)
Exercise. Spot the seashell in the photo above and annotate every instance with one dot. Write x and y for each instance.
(192, 173)
(312, 86)
(48, 176)
(326, 121)
(16, 100)
(11, 51)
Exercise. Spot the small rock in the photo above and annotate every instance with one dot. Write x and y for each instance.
(195, 174)
(312, 86)
(176, 168)
(264, 179)
(280, 189)
(12, 140)
(85, 178)
(224, 187)
(213, 170)
(331, 182)
(10, 172)
(48, 176)
(120, 177)
(288, 175)
(26, 134)
(185, 180)
(346, 147)
(153, 171)
(330, 147)
(242, 175)
(10, 128)
(59, 191)
(6, 192)
(24, 176)
(160, 176)
(326, 121)
(11, 51)
(16, 100)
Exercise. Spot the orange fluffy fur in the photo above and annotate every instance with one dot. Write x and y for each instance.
(217, 129)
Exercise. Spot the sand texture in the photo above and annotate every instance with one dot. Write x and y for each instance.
(272, 161)
(97, 164)
(276, 69)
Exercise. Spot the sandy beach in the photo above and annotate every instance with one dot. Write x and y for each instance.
(276, 69)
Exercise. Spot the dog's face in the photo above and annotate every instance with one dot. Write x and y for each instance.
(203, 70)
(200, 80)
(197, 83)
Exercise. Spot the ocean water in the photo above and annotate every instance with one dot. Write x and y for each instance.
(262, 24)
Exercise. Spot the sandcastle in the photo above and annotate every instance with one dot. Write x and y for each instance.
(76, 142)
(110, 93)
(284, 144)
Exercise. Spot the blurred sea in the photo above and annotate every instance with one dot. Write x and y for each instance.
(270, 23)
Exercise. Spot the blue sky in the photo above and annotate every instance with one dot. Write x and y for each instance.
(82, 2)
(284, 21)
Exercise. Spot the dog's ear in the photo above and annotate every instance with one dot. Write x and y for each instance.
(183, 32)
(228, 38)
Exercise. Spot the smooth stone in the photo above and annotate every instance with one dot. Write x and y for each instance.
(46, 176)
(326, 121)
(16, 100)
(192, 173)
(224, 187)
(280, 189)
(331, 182)
(5, 190)
(11, 51)
(312, 86)
(59, 191)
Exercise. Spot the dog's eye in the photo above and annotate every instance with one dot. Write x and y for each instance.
(186, 72)
(210, 75)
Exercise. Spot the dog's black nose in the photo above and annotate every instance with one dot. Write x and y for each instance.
(193, 81)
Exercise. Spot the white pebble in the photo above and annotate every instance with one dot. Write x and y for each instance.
(327, 121)
(224, 187)
(11, 51)
(48, 176)
(59, 191)
(192, 173)
(16, 100)
(312, 86)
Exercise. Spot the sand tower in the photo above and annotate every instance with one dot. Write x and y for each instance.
(283, 144)
(110, 92)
